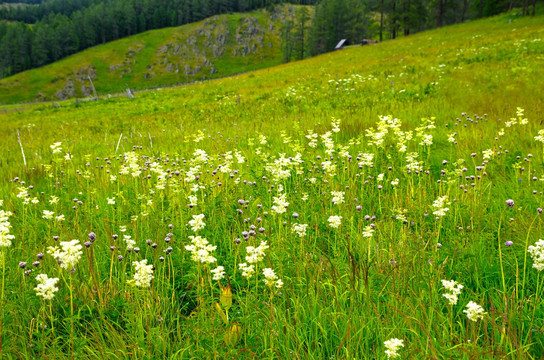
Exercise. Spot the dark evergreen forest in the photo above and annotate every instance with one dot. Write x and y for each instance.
(37, 32)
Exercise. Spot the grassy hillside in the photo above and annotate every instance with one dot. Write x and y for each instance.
(216, 47)
(428, 149)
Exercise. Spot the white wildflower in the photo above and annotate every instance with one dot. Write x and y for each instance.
(474, 311)
(46, 286)
(197, 224)
(143, 274)
(5, 226)
(247, 270)
(299, 229)
(540, 136)
(193, 200)
(48, 215)
(129, 241)
(201, 250)
(256, 254)
(280, 204)
(392, 347)
(368, 231)
(271, 279)
(537, 254)
(454, 290)
(440, 206)
(335, 221)
(69, 254)
(218, 273)
(337, 197)
(56, 148)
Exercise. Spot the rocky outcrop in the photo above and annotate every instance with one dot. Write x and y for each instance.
(79, 79)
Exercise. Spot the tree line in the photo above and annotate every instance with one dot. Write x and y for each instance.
(47, 36)
(49, 30)
(356, 20)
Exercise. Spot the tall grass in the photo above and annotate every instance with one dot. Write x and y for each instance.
(422, 195)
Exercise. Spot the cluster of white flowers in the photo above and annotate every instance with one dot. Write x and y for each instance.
(69, 254)
(131, 165)
(5, 226)
(335, 221)
(367, 160)
(190, 175)
(328, 142)
(162, 175)
(451, 138)
(440, 206)
(46, 286)
(280, 168)
(193, 200)
(392, 347)
(426, 124)
(111, 201)
(256, 254)
(454, 290)
(143, 274)
(474, 311)
(200, 157)
(280, 204)
(519, 120)
(329, 168)
(368, 231)
(537, 254)
(218, 273)
(413, 164)
(201, 250)
(488, 154)
(56, 148)
(271, 279)
(25, 196)
(48, 215)
(337, 197)
(129, 241)
(197, 223)
(313, 139)
(335, 123)
(540, 136)
(247, 270)
(299, 229)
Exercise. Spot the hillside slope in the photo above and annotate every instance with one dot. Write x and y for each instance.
(216, 47)
(424, 195)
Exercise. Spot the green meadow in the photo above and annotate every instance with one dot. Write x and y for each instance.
(377, 202)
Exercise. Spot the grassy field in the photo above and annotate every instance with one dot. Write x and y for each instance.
(213, 48)
(340, 197)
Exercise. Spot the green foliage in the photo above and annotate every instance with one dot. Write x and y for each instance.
(129, 166)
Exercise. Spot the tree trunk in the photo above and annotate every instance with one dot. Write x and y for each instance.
(439, 13)
(381, 21)
(534, 8)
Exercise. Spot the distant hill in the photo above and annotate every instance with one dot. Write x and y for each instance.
(216, 47)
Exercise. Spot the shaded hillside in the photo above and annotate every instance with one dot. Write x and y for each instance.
(216, 47)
